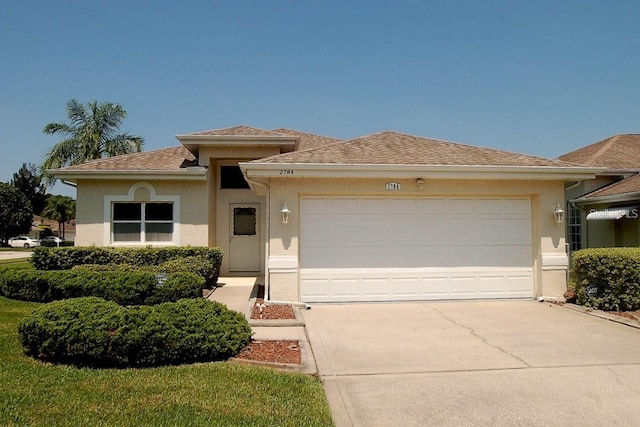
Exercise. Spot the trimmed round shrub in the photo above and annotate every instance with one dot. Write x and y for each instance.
(607, 278)
(98, 333)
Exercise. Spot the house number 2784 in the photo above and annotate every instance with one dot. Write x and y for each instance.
(286, 171)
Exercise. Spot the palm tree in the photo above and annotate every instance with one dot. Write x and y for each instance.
(92, 133)
(61, 209)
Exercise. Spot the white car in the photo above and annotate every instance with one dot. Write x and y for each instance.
(23, 242)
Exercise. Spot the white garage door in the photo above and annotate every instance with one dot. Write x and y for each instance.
(373, 249)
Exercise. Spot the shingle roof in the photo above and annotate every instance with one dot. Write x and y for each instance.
(396, 148)
(626, 186)
(238, 131)
(617, 152)
(167, 159)
(308, 141)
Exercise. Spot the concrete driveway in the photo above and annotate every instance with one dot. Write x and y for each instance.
(475, 364)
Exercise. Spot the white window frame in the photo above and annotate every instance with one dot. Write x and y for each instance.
(109, 200)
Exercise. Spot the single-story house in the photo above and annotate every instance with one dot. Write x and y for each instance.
(382, 217)
(605, 212)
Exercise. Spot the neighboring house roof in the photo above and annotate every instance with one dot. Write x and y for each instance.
(621, 152)
(308, 141)
(38, 222)
(166, 159)
(627, 189)
(401, 149)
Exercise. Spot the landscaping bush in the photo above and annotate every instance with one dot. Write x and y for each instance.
(95, 332)
(123, 287)
(199, 265)
(607, 278)
(25, 284)
(176, 286)
(65, 258)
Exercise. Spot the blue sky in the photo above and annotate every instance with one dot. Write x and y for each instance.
(536, 77)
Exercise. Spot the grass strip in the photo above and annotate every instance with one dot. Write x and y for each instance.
(221, 393)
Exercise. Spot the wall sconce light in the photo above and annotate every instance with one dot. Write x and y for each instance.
(558, 214)
(285, 213)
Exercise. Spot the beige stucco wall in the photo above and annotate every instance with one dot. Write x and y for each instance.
(90, 221)
(548, 242)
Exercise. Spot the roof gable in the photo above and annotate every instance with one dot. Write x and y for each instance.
(620, 152)
(236, 131)
(401, 149)
(308, 141)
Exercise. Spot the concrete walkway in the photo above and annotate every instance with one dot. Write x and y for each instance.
(14, 255)
(499, 363)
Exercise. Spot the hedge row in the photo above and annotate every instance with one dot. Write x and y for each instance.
(95, 332)
(199, 265)
(50, 244)
(607, 278)
(125, 288)
(65, 258)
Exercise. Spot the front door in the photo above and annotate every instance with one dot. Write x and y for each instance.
(244, 239)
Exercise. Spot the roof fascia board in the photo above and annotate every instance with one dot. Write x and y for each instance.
(236, 139)
(194, 142)
(618, 172)
(196, 174)
(309, 170)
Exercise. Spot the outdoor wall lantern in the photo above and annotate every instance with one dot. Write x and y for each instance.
(558, 214)
(285, 213)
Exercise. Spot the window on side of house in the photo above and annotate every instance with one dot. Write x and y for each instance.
(142, 222)
(231, 178)
(574, 227)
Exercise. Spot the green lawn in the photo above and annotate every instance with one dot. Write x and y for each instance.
(208, 394)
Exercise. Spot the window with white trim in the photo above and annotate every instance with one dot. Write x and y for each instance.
(574, 227)
(142, 222)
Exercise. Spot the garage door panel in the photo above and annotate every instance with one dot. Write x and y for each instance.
(390, 249)
(403, 206)
(377, 288)
(346, 288)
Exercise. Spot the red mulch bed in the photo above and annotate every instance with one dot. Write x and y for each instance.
(270, 312)
(282, 351)
(273, 352)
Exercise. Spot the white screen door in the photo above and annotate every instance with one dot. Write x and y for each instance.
(244, 239)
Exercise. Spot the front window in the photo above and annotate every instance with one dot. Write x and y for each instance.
(142, 222)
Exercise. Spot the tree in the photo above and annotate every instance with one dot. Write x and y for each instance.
(61, 209)
(92, 133)
(16, 213)
(29, 182)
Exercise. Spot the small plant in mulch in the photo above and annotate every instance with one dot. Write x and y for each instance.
(261, 310)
